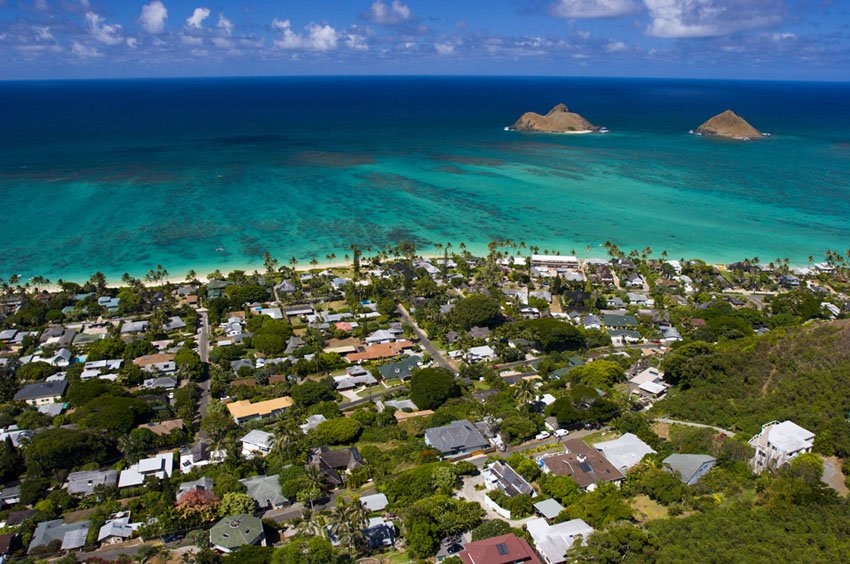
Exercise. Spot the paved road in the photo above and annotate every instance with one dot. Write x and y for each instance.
(425, 341)
(726, 432)
(580, 434)
(204, 353)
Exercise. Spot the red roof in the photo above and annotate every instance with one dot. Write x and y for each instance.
(505, 549)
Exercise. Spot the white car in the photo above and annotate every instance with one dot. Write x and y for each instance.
(561, 433)
(542, 435)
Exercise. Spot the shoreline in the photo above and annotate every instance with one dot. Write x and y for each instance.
(177, 280)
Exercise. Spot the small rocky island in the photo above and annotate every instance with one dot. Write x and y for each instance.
(559, 120)
(728, 125)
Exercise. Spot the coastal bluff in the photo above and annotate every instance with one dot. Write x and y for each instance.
(728, 125)
(559, 120)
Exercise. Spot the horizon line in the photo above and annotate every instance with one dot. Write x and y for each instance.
(418, 75)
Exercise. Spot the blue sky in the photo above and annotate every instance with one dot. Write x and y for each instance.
(743, 39)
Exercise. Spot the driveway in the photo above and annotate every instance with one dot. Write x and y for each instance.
(469, 493)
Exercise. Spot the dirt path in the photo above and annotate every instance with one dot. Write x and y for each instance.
(833, 476)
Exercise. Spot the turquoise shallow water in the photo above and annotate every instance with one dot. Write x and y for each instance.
(119, 176)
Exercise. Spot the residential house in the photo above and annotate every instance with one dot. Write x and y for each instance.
(42, 393)
(257, 443)
(504, 549)
(199, 455)
(548, 508)
(130, 327)
(313, 421)
(618, 321)
(779, 443)
(165, 383)
(482, 333)
(17, 436)
(375, 502)
(84, 482)
(402, 369)
(624, 452)
(61, 359)
(58, 336)
(349, 382)
(380, 336)
(584, 464)
(622, 337)
(378, 352)
(244, 410)
(158, 467)
(334, 464)
(689, 467)
(458, 438)
(555, 261)
(649, 383)
(553, 541)
(68, 536)
(174, 323)
(265, 491)
(479, 354)
(117, 529)
(591, 322)
(236, 531)
(379, 533)
(500, 475)
(204, 484)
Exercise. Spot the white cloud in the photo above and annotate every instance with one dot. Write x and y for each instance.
(787, 36)
(710, 18)
(132, 42)
(108, 34)
(594, 8)
(384, 14)
(222, 42)
(42, 33)
(153, 17)
(444, 48)
(191, 40)
(318, 38)
(356, 41)
(84, 51)
(196, 20)
(225, 25)
(616, 47)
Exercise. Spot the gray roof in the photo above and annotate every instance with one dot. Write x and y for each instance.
(41, 390)
(508, 480)
(203, 484)
(457, 436)
(549, 508)
(49, 531)
(235, 531)
(83, 483)
(686, 465)
(374, 502)
(625, 451)
(265, 490)
(402, 369)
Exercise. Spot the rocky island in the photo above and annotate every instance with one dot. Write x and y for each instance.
(559, 120)
(728, 125)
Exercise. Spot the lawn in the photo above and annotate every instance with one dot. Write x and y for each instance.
(647, 509)
(599, 436)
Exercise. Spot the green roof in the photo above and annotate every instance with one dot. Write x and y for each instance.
(236, 530)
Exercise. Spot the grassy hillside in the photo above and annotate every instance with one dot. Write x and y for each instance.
(800, 373)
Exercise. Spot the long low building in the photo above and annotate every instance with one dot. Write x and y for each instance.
(244, 410)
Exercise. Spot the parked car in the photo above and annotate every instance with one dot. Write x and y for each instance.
(542, 435)
(561, 433)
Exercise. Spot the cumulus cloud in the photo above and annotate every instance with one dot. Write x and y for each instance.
(196, 20)
(105, 33)
(42, 33)
(615, 47)
(318, 37)
(356, 41)
(444, 48)
(191, 40)
(594, 8)
(388, 14)
(153, 17)
(225, 25)
(132, 42)
(222, 42)
(710, 18)
(84, 51)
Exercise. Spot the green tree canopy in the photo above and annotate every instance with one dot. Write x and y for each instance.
(431, 387)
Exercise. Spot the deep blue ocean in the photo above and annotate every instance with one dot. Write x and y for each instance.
(120, 176)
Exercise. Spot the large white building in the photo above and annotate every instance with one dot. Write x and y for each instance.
(555, 261)
(778, 444)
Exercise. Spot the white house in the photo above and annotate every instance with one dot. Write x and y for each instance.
(778, 444)
(553, 541)
(257, 443)
(477, 354)
(158, 466)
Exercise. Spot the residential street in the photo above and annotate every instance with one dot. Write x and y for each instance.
(425, 341)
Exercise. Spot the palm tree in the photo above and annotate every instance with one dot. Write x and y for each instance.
(315, 481)
(286, 435)
(525, 391)
(347, 522)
